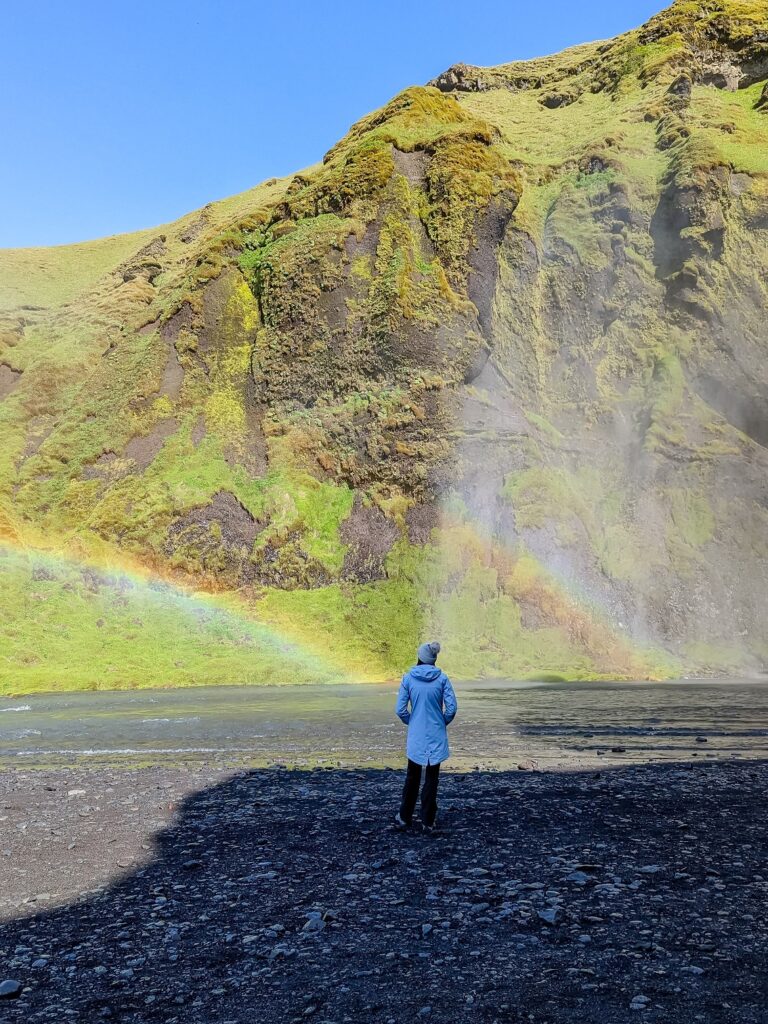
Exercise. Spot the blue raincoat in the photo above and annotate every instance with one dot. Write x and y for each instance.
(433, 706)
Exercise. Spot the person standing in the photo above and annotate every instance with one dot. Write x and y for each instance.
(427, 704)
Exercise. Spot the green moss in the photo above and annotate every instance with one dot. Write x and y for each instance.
(295, 502)
(744, 145)
(445, 591)
(547, 677)
(464, 176)
(53, 276)
(547, 142)
(666, 396)
(692, 521)
(733, 21)
(406, 283)
(375, 628)
(536, 204)
(415, 119)
(571, 218)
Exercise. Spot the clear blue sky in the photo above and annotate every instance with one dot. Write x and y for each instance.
(116, 116)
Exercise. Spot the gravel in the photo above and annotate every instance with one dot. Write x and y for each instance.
(286, 896)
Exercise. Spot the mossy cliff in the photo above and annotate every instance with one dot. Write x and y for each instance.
(495, 370)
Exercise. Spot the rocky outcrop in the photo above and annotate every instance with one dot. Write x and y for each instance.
(461, 78)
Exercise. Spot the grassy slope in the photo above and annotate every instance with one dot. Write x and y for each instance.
(55, 276)
(69, 627)
(44, 277)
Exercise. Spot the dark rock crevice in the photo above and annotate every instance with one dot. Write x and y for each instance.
(689, 222)
(9, 380)
(146, 263)
(744, 409)
(217, 537)
(369, 536)
(490, 228)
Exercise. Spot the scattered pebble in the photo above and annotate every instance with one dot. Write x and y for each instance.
(10, 989)
(288, 894)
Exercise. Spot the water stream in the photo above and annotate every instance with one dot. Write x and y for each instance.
(499, 725)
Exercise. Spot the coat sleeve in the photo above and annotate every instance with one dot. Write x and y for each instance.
(449, 701)
(401, 709)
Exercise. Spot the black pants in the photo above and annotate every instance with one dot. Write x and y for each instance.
(428, 793)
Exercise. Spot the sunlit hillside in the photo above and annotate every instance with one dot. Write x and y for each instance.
(494, 370)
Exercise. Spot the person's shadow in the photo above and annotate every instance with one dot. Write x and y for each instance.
(286, 896)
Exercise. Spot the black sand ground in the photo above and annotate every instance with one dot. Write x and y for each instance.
(637, 893)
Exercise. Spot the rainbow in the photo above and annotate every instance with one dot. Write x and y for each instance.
(565, 591)
(122, 573)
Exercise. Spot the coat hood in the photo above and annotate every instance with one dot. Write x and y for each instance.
(425, 673)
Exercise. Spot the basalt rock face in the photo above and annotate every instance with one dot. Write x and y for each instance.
(495, 369)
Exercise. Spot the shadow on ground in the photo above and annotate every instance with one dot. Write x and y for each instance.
(634, 893)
